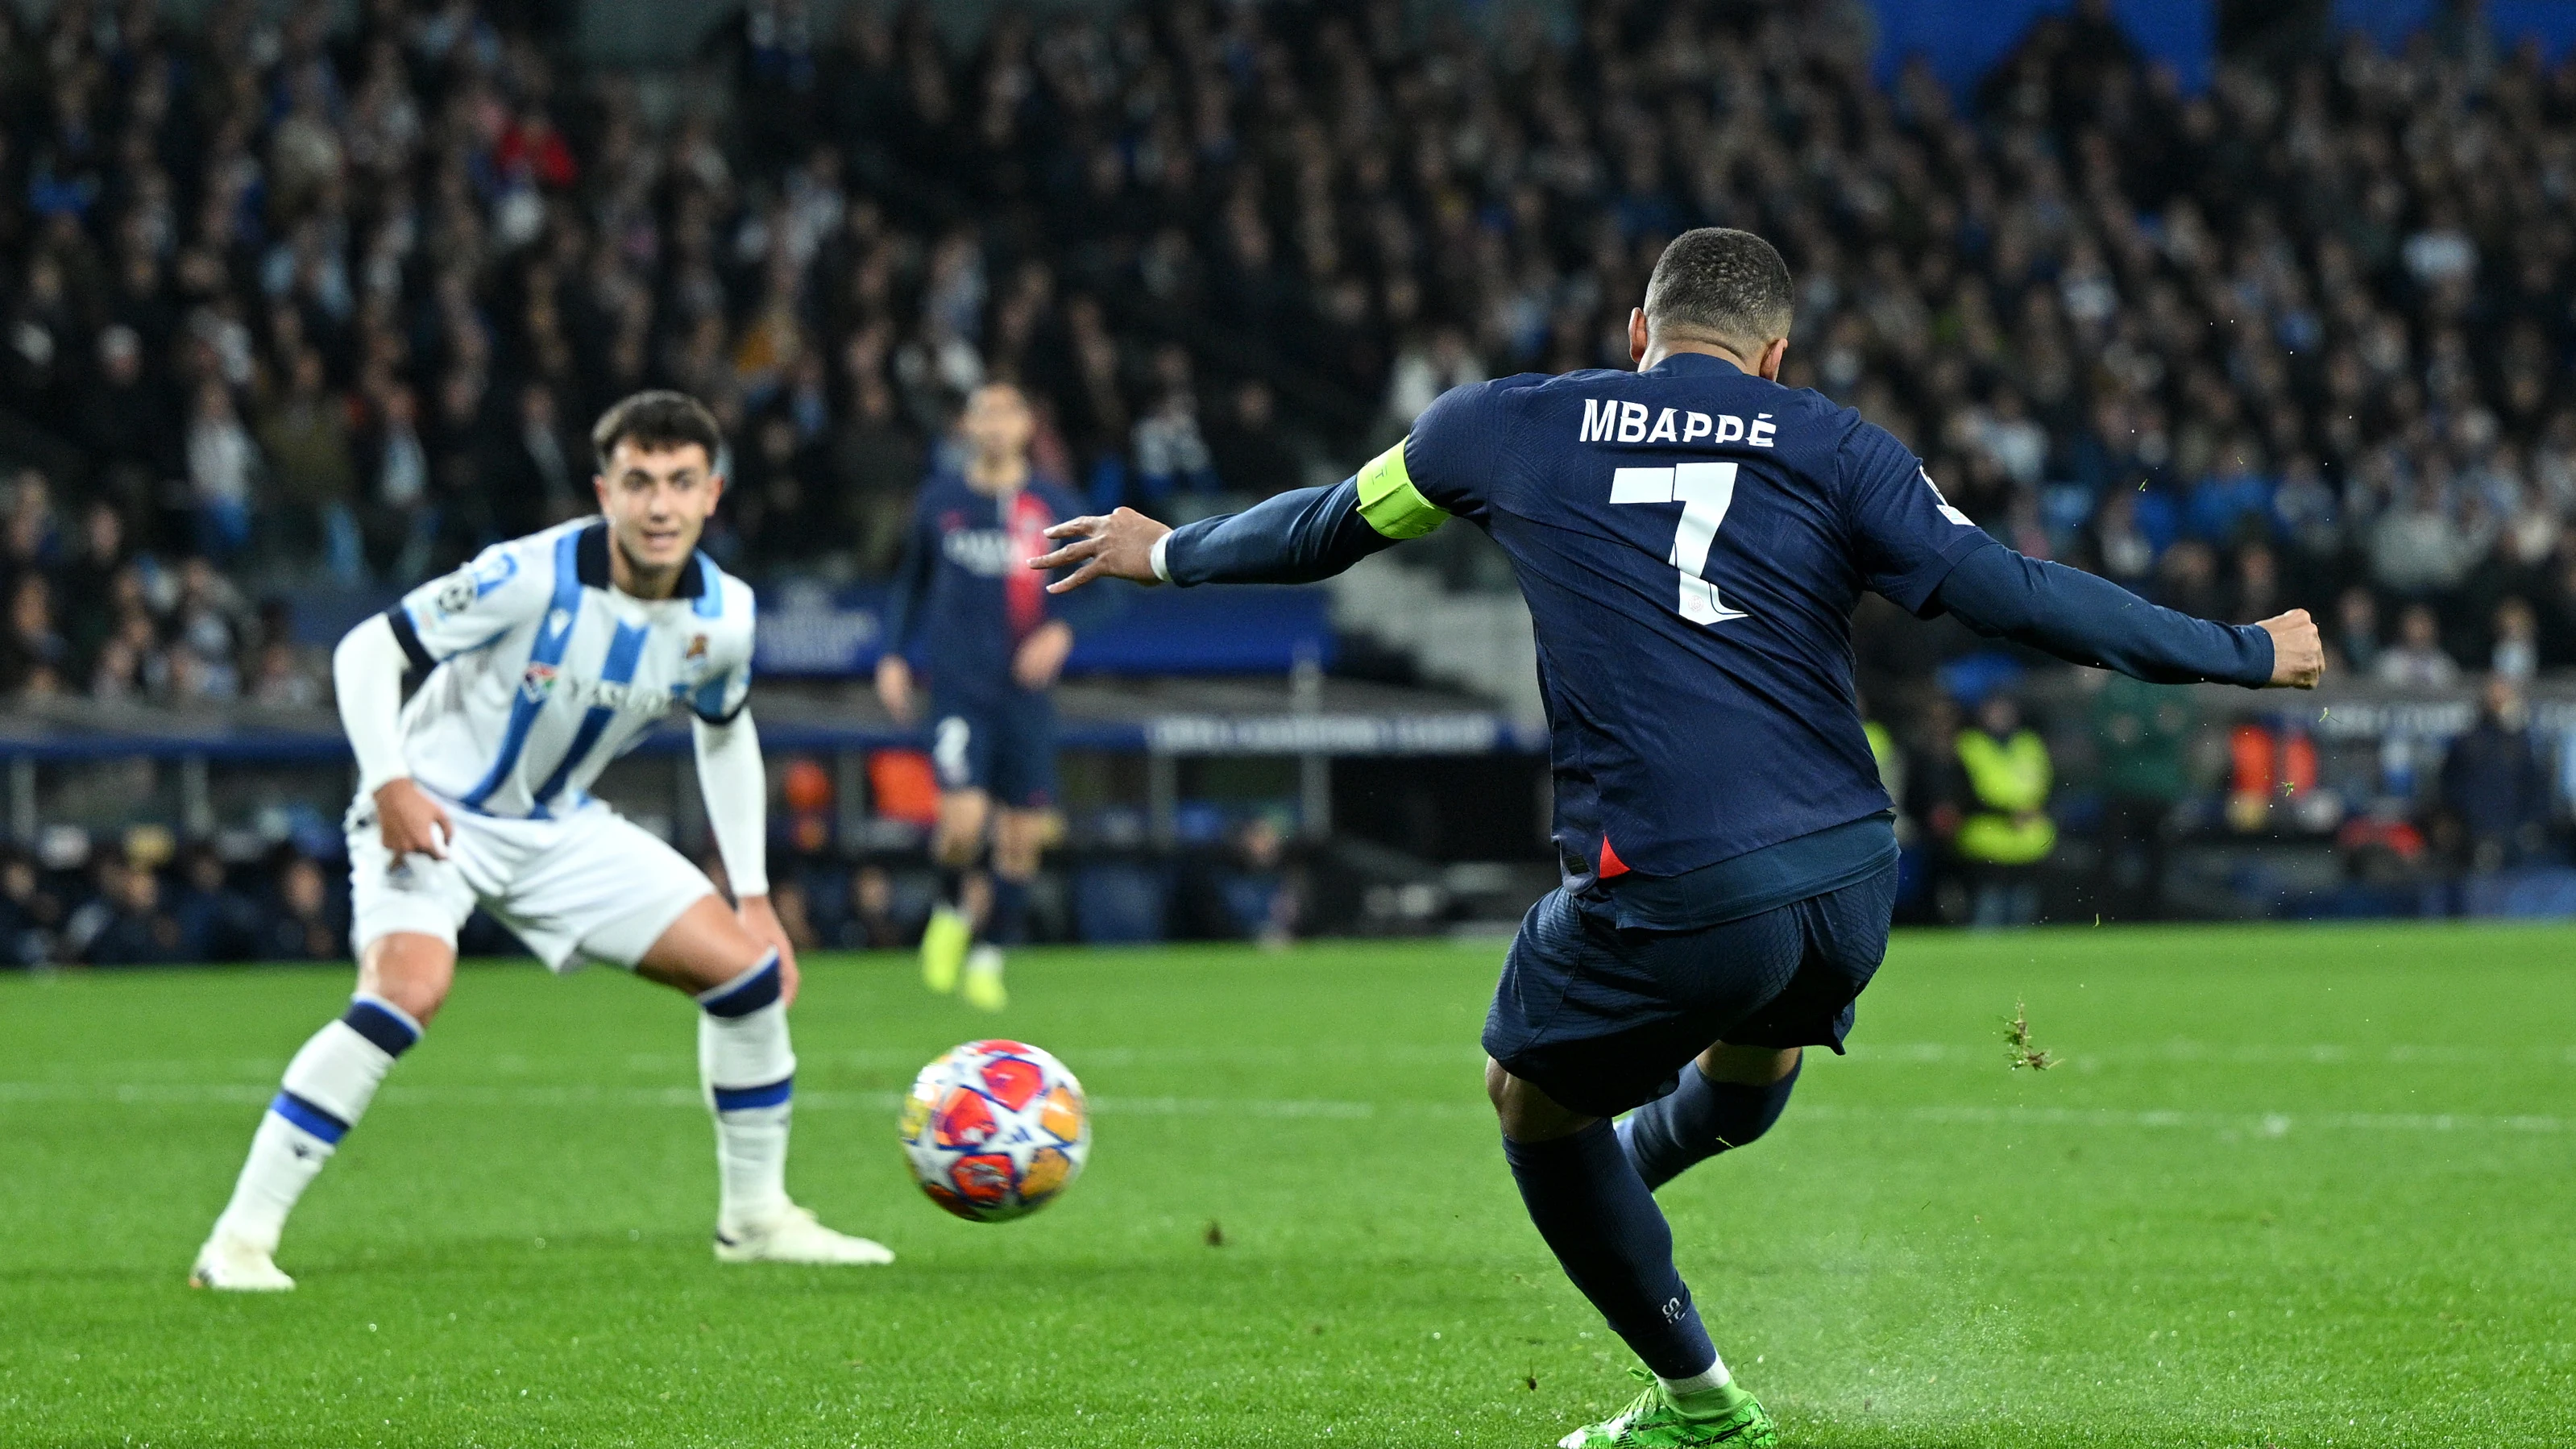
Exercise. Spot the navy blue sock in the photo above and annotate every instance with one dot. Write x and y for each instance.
(1698, 1120)
(952, 887)
(1602, 1221)
(1008, 925)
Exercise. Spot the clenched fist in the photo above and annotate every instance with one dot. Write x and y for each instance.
(2298, 651)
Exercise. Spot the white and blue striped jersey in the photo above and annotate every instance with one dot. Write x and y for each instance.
(540, 673)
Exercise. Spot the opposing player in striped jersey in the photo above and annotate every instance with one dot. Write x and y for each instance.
(543, 659)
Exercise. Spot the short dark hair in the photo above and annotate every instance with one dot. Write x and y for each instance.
(656, 420)
(1730, 285)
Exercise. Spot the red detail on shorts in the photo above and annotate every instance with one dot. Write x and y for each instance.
(1012, 1082)
(1611, 864)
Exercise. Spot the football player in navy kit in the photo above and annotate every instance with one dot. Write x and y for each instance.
(1691, 538)
(994, 640)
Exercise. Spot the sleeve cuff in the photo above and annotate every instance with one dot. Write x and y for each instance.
(1161, 558)
(409, 638)
(2264, 655)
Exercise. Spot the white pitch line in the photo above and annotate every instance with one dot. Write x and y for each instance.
(2267, 1124)
(2227, 1053)
(401, 1094)
(2264, 1124)
(1469, 1059)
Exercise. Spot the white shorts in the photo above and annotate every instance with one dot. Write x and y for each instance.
(591, 886)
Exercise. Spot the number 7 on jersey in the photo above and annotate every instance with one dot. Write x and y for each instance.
(1705, 491)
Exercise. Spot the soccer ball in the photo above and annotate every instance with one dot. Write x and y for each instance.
(995, 1130)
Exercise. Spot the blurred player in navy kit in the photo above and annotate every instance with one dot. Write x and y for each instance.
(993, 642)
(1691, 538)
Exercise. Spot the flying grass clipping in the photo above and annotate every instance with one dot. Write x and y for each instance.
(2024, 1051)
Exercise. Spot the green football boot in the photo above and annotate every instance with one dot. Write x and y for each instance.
(983, 987)
(943, 948)
(1727, 1416)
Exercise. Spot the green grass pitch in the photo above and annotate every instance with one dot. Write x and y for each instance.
(2289, 1187)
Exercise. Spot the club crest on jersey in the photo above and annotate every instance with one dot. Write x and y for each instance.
(537, 683)
(697, 647)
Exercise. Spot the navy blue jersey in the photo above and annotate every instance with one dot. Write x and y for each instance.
(1691, 541)
(964, 591)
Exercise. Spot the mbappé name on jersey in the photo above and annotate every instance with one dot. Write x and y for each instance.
(1691, 541)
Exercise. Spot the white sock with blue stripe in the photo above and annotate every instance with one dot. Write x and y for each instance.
(749, 1072)
(326, 1090)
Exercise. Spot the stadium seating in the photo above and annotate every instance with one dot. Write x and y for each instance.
(300, 311)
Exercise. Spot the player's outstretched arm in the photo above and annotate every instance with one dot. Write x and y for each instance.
(366, 677)
(1298, 537)
(1118, 545)
(2085, 619)
(2298, 651)
(736, 789)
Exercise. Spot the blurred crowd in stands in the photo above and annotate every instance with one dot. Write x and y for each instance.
(139, 902)
(2220, 347)
(324, 296)
(2122, 801)
(149, 899)
(333, 302)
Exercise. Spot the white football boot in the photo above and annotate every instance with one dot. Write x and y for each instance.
(795, 1237)
(229, 1265)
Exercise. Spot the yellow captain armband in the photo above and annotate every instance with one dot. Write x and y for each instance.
(1390, 502)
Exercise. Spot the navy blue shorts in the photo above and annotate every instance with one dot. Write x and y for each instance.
(1604, 1020)
(1003, 745)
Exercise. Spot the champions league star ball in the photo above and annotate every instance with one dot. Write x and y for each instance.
(995, 1130)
